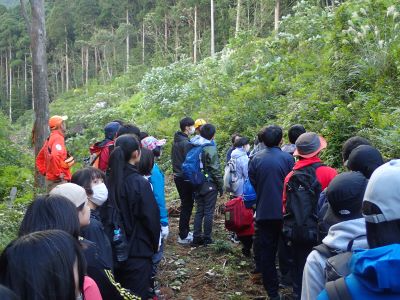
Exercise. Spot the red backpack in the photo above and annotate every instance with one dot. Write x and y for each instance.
(237, 216)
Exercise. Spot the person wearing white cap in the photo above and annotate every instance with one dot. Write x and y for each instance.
(375, 272)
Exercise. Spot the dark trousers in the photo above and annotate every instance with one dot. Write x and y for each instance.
(266, 240)
(135, 275)
(285, 259)
(186, 195)
(299, 252)
(206, 199)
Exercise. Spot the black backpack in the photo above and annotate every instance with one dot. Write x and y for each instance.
(300, 223)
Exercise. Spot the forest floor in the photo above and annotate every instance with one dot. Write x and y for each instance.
(218, 271)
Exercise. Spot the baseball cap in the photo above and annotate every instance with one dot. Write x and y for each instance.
(55, 121)
(199, 122)
(151, 143)
(345, 196)
(73, 192)
(309, 144)
(365, 159)
(383, 190)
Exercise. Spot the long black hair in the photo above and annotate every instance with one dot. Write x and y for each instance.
(85, 176)
(51, 212)
(146, 162)
(125, 145)
(40, 266)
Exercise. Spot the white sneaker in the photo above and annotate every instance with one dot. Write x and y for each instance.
(187, 240)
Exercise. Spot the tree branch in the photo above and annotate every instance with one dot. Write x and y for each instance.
(25, 16)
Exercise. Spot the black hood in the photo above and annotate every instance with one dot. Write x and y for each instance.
(365, 159)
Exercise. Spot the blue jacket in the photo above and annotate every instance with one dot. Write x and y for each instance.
(157, 181)
(375, 274)
(267, 172)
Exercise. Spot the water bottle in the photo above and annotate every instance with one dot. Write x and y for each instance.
(120, 246)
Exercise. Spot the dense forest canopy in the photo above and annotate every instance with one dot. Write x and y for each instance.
(99, 39)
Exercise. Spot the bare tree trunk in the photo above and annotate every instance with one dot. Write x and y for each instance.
(165, 34)
(7, 79)
(62, 78)
(25, 76)
(10, 93)
(237, 18)
(82, 65)
(176, 41)
(56, 74)
(212, 30)
(66, 64)
(95, 61)
(40, 88)
(106, 62)
(33, 101)
(277, 11)
(195, 36)
(127, 42)
(87, 65)
(143, 36)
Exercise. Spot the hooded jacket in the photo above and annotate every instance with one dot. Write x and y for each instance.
(140, 214)
(242, 168)
(374, 274)
(180, 148)
(209, 160)
(338, 238)
(103, 150)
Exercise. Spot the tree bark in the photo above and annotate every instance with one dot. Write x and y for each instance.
(25, 76)
(87, 65)
(143, 36)
(7, 81)
(195, 36)
(176, 40)
(237, 18)
(127, 42)
(212, 30)
(165, 34)
(277, 11)
(66, 63)
(40, 88)
(10, 94)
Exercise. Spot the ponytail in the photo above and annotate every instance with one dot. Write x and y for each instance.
(125, 145)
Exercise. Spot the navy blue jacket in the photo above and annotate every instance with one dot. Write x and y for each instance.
(267, 172)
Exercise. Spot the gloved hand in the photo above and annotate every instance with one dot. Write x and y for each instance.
(221, 192)
(164, 232)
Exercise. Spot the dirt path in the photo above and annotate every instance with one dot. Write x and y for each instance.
(218, 271)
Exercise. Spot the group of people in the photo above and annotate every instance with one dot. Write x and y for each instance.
(99, 233)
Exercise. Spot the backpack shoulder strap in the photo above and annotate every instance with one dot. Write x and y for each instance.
(324, 250)
(338, 290)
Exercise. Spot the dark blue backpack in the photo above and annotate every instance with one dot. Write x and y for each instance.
(249, 194)
(191, 167)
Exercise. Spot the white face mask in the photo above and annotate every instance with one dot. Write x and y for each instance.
(100, 194)
(191, 130)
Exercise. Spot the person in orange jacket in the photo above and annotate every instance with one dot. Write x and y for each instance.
(53, 160)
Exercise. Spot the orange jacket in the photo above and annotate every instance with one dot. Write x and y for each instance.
(51, 159)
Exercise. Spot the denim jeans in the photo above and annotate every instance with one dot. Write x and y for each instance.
(206, 199)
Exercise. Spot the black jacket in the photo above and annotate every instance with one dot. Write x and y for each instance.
(140, 214)
(267, 172)
(180, 148)
(94, 232)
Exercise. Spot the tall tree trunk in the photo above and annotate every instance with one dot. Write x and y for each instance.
(56, 74)
(62, 77)
(40, 88)
(176, 40)
(165, 34)
(143, 36)
(87, 65)
(237, 18)
(212, 30)
(66, 63)
(25, 77)
(195, 36)
(277, 11)
(82, 65)
(106, 62)
(95, 61)
(127, 42)
(10, 93)
(33, 101)
(7, 79)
